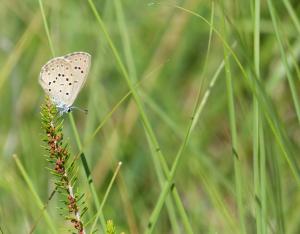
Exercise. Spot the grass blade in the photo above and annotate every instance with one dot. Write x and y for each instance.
(35, 195)
(145, 120)
(234, 139)
(106, 196)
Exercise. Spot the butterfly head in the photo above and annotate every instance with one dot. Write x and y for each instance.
(62, 107)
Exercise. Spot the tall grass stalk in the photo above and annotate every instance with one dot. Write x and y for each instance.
(293, 14)
(276, 189)
(284, 59)
(169, 184)
(257, 124)
(259, 138)
(206, 162)
(233, 131)
(132, 74)
(265, 103)
(106, 196)
(154, 142)
(36, 197)
(210, 187)
(46, 27)
(194, 119)
(198, 107)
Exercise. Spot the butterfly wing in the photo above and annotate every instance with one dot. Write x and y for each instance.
(57, 80)
(80, 63)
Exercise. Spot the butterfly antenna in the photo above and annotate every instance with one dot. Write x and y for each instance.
(80, 109)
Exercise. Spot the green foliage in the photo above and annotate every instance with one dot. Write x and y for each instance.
(199, 100)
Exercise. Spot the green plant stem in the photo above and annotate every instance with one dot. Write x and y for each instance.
(225, 213)
(277, 188)
(293, 15)
(46, 28)
(264, 102)
(132, 72)
(195, 116)
(144, 118)
(206, 162)
(35, 195)
(169, 184)
(259, 156)
(284, 60)
(106, 196)
(234, 138)
(263, 180)
(256, 124)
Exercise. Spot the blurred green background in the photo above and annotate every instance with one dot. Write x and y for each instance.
(171, 55)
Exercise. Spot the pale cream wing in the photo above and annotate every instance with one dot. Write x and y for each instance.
(57, 80)
(81, 63)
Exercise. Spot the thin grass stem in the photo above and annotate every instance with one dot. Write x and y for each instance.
(37, 199)
(106, 196)
(154, 143)
(234, 139)
(264, 101)
(284, 59)
(257, 130)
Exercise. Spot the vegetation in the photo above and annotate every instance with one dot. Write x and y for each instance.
(199, 100)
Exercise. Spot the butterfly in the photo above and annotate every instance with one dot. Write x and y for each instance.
(63, 77)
